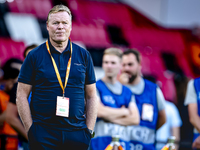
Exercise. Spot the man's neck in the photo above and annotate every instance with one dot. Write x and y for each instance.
(136, 81)
(59, 46)
(111, 80)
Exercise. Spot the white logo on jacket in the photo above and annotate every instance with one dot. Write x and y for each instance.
(109, 99)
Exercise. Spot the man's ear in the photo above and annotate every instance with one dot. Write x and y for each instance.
(47, 26)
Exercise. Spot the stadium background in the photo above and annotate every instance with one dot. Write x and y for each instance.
(170, 52)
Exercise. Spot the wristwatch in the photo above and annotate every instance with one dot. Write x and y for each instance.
(91, 132)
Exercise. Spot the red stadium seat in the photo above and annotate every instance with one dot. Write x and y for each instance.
(39, 8)
(10, 48)
(90, 34)
(168, 86)
(152, 64)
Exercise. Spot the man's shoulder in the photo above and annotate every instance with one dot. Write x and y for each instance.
(196, 80)
(126, 87)
(150, 84)
(191, 83)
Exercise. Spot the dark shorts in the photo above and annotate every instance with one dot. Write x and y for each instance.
(42, 138)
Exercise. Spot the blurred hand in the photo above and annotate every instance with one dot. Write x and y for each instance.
(125, 110)
(196, 143)
(124, 78)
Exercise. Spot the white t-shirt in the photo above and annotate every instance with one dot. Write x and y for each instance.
(191, 96)
(173, 120)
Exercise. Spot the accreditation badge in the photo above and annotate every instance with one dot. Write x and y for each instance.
(147, 112)
(62, 106)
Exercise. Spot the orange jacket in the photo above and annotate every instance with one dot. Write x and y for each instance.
(6, 128)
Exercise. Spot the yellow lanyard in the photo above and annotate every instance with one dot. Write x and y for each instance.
(56, 68)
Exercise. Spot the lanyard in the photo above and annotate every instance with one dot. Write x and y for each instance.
(56, 68)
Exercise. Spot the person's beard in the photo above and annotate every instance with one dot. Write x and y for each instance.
(132, 78)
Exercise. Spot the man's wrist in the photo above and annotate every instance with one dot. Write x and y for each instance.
(91, 132)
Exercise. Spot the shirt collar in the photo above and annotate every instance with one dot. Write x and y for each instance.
(53, 50)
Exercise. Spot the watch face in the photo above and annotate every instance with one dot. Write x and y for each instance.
(91, 132)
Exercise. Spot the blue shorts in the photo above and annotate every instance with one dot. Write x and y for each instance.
(42, 138)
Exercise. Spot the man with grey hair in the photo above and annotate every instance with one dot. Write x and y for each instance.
(61, 77)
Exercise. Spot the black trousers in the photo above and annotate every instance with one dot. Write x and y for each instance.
(41, 138)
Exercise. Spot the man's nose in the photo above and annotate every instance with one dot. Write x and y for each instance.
(60, 25)
(109, 65)
(125, 67)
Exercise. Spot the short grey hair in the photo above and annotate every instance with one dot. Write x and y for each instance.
(59, 8)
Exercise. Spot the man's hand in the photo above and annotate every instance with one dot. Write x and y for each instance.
(125, 110)
(196, 143)
(124, 78)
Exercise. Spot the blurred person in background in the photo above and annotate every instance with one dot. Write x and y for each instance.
(149, 99)
(12, 116)
(192, 99)
(28, 49)
(171, 126)
(117, 108)
(61, 76)
(9, 138)
(11, 71)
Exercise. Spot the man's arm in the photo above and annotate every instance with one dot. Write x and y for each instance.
(133, 118)
(13, 120)
(191, 101)
(91, 105)
(161, 118)
(23, 91)
(109, 113)
(193, 116)
(161, 108)
(195, 121)
(123, 78)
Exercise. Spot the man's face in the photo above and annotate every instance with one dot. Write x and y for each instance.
(111, 65)
(131, 66)
(59, 26)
